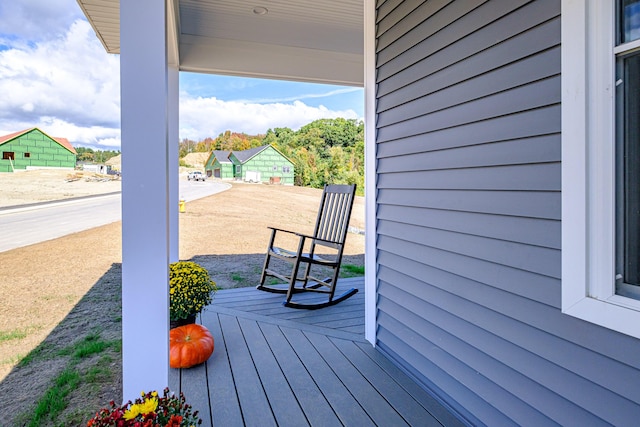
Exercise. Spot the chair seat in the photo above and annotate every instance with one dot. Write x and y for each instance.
(290, 254)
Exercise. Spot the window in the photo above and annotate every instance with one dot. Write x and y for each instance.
(27, 155)
(627, 149)
(600, 156)
(286, 169)
(8, 155)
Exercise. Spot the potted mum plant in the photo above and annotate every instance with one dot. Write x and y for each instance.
(151, 410)
(190, 290)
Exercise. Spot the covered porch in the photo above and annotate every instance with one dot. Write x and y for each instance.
(311, 41)
(274, 365)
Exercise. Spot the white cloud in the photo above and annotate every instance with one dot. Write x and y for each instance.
(67, 86)
(36, 20)
(64, 83)
(101, 137)
(202, 117)
(306, 96)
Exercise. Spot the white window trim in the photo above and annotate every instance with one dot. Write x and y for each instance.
(588, 160)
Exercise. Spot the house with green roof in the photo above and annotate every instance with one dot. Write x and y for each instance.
(259, 164)
(34, 149)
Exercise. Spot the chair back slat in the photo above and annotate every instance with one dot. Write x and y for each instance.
(334, 213)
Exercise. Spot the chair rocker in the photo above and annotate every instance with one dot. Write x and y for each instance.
(330, 233)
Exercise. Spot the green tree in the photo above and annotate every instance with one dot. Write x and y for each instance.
(336, 132)
(85, 154)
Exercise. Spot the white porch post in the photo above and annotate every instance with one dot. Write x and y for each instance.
(173, 158)
(370, 251)
(147, 121)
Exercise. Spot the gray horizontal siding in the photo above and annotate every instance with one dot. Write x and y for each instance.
(449, 47)
(531, 96)
(535, 122)
(468, 219)
(498, 80)
(412, 87)
(530, 258)
(542, 149)
(489, 286)
(540, 177)
(391, 12)
(404, 30)
(528, 231)
(409, 256)
(494, 368)
(513, 203)
(516, 345)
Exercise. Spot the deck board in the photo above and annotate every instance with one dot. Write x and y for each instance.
(376, 407)
(253, 399)
(275, 365)
(333, 390)
(318, 411)
(282, 401)
(403, 402)
(220, 379)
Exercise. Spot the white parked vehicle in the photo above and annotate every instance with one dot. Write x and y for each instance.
(196, 176)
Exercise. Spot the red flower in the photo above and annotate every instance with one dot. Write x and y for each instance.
(174, 421)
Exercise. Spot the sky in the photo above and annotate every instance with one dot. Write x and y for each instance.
(56, 75)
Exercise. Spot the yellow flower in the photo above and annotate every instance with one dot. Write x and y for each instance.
(143, 408)
(132, 412)
(190, 289)
(149, 406)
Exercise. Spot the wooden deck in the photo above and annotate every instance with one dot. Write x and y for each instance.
(277, 366)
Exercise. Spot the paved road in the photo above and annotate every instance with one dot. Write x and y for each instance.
(45, 221)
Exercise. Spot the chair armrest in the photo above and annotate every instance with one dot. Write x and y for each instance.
(307, 236)
(282, 230)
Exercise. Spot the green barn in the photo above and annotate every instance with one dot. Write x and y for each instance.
(33, 148)
(264, 164)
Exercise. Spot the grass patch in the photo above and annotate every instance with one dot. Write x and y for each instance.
(99, 373)
(91, 348)
(16, 334)
(54, 400)
(40, 352)
(238, 278)
(51, 408)
(88, 346)
(350, 270)
(12, 360)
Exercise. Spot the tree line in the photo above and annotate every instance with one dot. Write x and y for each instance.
(326, 151)
(97, 156)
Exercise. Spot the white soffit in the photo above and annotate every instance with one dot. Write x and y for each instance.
(305, 40)
(104, 16)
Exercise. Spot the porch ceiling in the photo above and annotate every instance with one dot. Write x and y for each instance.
(304, 40)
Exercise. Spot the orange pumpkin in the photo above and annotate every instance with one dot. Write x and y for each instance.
(189, 345)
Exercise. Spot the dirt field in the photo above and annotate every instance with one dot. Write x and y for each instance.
(42, 185)
(57, 293)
